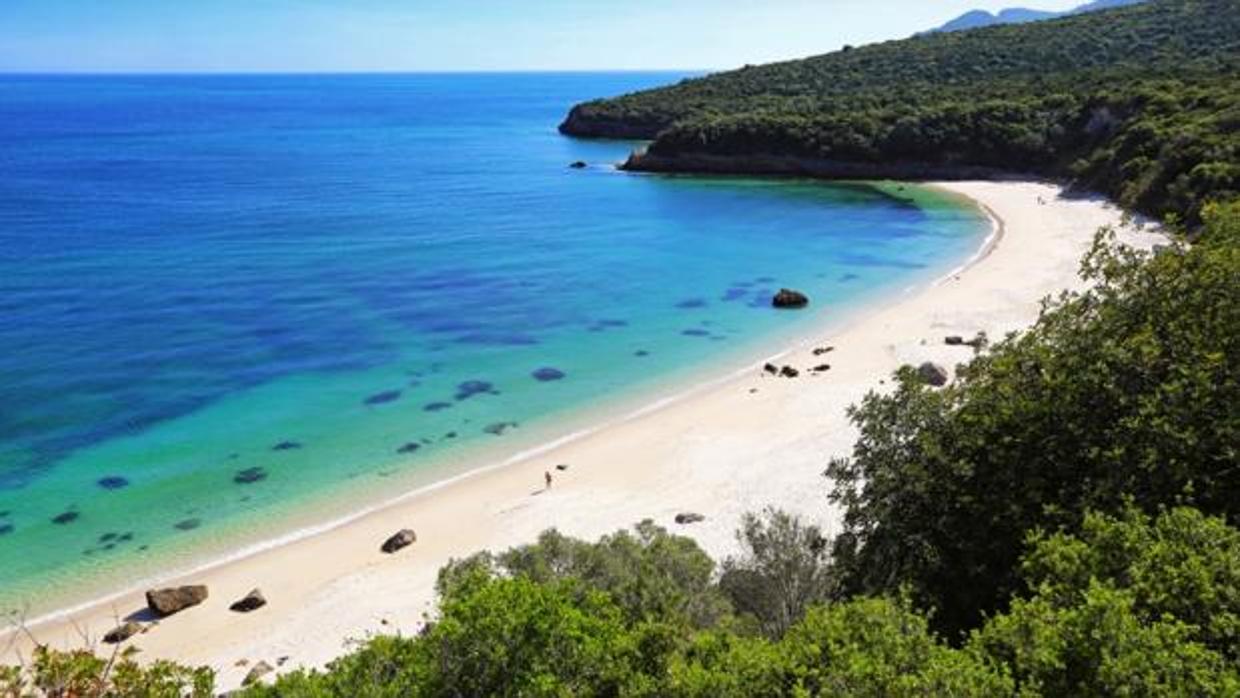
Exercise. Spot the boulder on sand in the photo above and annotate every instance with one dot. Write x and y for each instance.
(165, 602)
(933, 374)
(122, 632)
(250, 602)
(256, 673)
(787, 298)
(400, 539)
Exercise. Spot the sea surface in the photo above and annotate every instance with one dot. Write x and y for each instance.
(234, 305)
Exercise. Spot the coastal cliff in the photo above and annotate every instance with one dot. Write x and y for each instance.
(590, 121)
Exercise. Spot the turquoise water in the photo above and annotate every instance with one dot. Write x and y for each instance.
(231, 303)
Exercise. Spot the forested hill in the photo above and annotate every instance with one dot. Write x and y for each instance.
(1140, 102)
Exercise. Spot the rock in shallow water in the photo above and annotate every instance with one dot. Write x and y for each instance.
(165, 602)
(787, 298)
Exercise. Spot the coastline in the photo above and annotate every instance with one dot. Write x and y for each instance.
(720, 450)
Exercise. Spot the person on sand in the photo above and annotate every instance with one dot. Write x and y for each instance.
(547, 477)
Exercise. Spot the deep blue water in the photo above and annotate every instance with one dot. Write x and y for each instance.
(223, 295)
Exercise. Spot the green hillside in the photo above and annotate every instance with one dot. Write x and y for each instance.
(1141, 103)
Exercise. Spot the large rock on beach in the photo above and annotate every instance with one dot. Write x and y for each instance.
(399, 540)
(165, 602)
(787, 298)
(250, 602)
(933, 374)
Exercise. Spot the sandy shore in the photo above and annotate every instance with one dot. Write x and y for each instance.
(748, 443)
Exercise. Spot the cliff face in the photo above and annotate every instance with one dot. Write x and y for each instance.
(587, 122)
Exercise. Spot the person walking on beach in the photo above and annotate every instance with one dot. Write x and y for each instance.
(547, 477)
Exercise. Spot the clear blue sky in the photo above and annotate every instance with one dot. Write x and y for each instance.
(378, 35)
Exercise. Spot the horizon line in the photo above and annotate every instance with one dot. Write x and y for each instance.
(530, 71)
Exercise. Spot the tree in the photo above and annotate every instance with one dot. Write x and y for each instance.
(783, 570)
(1123, 393)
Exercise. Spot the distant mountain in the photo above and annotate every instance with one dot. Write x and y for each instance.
(1020, 15)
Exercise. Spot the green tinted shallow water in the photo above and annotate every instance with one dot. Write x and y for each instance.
(176, 317)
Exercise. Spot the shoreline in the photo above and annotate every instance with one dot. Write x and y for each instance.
(331, 583)
(335, 512)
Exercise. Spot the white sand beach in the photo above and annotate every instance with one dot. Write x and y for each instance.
(741, 445)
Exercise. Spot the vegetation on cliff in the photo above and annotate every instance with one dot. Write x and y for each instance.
(1140, 103)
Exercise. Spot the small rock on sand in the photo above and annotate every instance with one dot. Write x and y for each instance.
(789, 372)
(250, 602)
(256, 673)
(933, 374)
(399, 540)
(771, 369)
(689, 518)
(122, 632)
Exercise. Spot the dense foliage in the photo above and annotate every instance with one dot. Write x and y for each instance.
(1127, 392)
(1140, 103)
(1131, 606)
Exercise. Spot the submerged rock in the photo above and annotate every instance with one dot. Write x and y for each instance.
(286, 446)
(165, 602)
(112, 482)
(67, 517)
(250, 476)
(250, 602)
(468, 389)
(498, 428)
(437, 406)
(6, 529)
(408, 448)
(122, 632)
(382, 398)
(546, 375)
(933, 374)
(579, 165)
(187, 524)
(399, 540)
(787, 298)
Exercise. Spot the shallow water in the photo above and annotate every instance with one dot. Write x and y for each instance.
(222, 298)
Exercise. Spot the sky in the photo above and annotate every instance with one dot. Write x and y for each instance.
(449, 35)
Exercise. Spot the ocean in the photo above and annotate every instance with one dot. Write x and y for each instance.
(232, 306)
